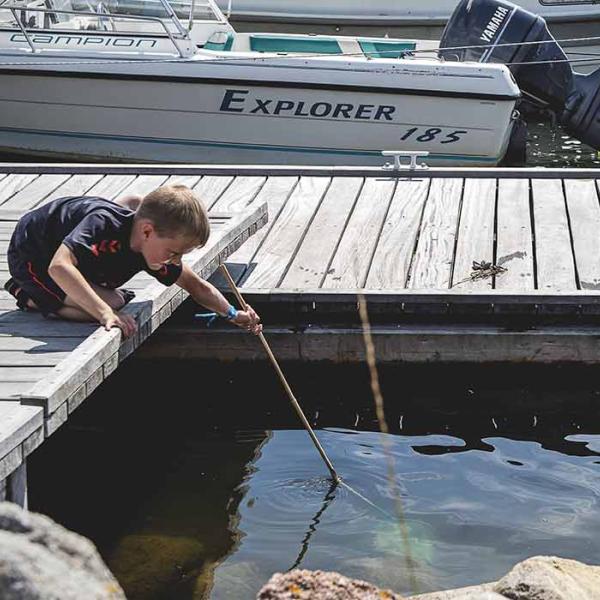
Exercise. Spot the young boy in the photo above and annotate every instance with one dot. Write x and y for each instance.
(68, 257)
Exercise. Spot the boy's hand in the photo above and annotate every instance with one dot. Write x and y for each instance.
(126, 323)
(249, 320)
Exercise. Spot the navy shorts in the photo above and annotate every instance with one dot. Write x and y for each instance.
(35, 284)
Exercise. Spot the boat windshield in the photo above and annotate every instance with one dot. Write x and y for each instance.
(108, 15)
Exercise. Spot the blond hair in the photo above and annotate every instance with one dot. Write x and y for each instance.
(175, 210)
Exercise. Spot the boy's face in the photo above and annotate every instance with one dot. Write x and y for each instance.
(159, 251)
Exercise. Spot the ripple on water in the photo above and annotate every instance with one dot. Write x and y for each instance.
(457, 505)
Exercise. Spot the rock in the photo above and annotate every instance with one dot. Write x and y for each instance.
(550, 578)
(475, 592)
(300, 584)
(40, 560)
(537, 578)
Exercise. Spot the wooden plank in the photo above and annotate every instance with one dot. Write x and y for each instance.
(35, 192)
(37, 345)
(514, 250)
(38, 359)
(553, 251)
(12, 214)
(8, 464)
(190, 181)
(13, 184)
(110, 186)
(271, 261)
(239, 194)
(275, 193)
(417, 343)
(584, 217)
(309, 266)
(78, 185)
(17, 423)
(210, 189)
(352, 259)
(396, 246)
(13, 373)
(142, 185)
(475, 233)
(13, 390)
(36, 327)
(432, 262)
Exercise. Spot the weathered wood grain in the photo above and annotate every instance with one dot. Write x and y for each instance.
(352, 259)
(310, 265)
(239, 194)
(396, 246)
(28, 373)
(17, 423)
(77, 185)
(13, 390)
(274, 193)
(553, 251)
(13, 184)
(420, 343)
(190, 181)
(475, 240)
(142, 185)
(209, 189)
(31, 346)
(110, 186)
(514, 249)
(35, 192)
(584, 216)
(434, 256)
(271, 261)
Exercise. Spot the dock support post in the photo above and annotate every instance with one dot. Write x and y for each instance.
(16, 486)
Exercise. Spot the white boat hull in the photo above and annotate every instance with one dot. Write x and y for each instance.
(133, 113)
(388, 12)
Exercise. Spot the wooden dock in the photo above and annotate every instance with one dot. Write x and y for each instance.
(407, 244)
(49, 367)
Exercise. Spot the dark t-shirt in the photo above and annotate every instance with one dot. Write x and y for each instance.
(96, 230)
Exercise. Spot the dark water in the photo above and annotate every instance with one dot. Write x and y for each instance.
(195, 481)
(549, 146)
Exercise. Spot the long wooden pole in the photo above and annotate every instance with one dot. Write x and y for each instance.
(283, 380)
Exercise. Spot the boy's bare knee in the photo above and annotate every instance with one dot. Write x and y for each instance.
(119, 302)
(114, 299)
(131, 201)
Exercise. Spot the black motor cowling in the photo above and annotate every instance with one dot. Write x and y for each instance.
(499, 31)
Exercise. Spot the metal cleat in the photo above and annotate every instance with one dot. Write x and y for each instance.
(399, 165)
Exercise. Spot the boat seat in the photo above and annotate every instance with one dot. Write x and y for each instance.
(282, 43)
(383, 49)
(219, 40)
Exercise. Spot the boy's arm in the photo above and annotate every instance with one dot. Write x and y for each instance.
(63, 269)
(208, 295)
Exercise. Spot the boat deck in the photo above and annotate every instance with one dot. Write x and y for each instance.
(49, 367)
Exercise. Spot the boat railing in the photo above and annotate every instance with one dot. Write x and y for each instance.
(29, 32)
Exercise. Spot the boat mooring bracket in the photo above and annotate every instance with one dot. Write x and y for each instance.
(398, 165)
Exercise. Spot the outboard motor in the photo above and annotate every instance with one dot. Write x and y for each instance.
(499, 31)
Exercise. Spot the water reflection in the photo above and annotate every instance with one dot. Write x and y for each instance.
(203, 495)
